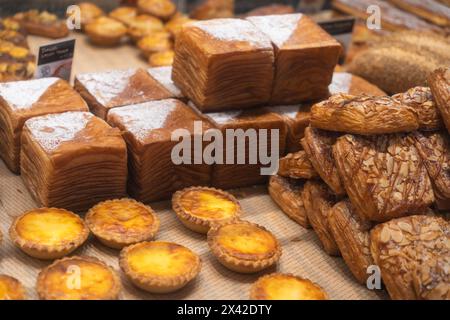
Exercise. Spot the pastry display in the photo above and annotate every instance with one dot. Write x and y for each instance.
(73, 160)
(164, 76)
(48, 233)
(278, 286)
(78, 278)
(365, 115)
(106, 90)
(318, 147)
(105, 31)
(213, 9)
(155, 42)
(163, 9)
(126, 15)
(198, 208)
(223, 63)
(176, 23)
(297, 166)
(161, 59)
(298, 38)
(383, 175)
(144, 25)
(344, 82)
(412, 253)
(318, 201)
(16, 62)
(147, 129)
(439, 82)
(11, 288)
(352, 236)
(286, 193)
(271, 9)
(89, 12)
(159, 267)
(43, 96)
(12, 31)
(42, 23)
(431, 10)
(244, 247)
(121, 222)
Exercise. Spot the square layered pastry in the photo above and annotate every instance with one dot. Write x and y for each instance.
(73, 160)
(164, 76)
(223, 63)
(110, 89)
(305, 57)
(22, 100)
(156, 168)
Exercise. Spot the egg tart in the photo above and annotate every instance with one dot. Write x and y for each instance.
(175, 24)
(155, 42)
(244, 247)
(278, 286)
(124, 14)
(89, 12)
(11, 288)
(144, 25)
(163, 9)
(118, 223)
(105, 31)
(198, 208)
(48, 233)
(161, 59)
(78, 278)
(159, 267)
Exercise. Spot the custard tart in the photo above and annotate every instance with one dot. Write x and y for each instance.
(48, 233)
(11, 288)
(155, 42)
(144, 25)
(244, 247)
(89, 12)
(124, 14)
(163, 9)
(198, 208)
(159, 267)
(278, 286)
(121, 222)
(78, 278)
(105, 31)
(161, 59)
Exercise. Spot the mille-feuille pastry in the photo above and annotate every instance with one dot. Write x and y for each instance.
(431, 10)
(279, 286)
(155, 42)
(244, 247)
(147, 129)
(11, 288)
(434, 149)
(162, 9)
(78, 278)
(43, 24)
(286, 193)
(233, 63)
(383, 175)
(213, 9)
(121, 222)
(296, 166)
(73, 160)
(89, 12)
(295, 38)
(162, 59)
(124, 14)
(413, 256)
(439, 82)
(175, 24)
(365, 115)
(48, 233)
(318, 201)
(271, 9)
(421, 100)
(159, 267)
(318, 146)
(16, 62)
(143, 25)
(43, 96)
(164, 76)
(105, 31)
(344, 82)
(199, 208)
(109, 89)
(246, 170)
(352, 236)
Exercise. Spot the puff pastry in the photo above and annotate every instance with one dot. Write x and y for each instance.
(73, 160)
(11, 288)
(439, 82)
(431, 10)
(297, 166)
(105, 31)
(213, 9)
(163, 9)
(42, 23)
(143, 25)
(164, 76)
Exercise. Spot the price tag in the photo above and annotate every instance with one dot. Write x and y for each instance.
(55, 60)
(341, 29)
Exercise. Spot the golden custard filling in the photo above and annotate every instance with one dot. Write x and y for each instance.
(10, 289)
(208, 205)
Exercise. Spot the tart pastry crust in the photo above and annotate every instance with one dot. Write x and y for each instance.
(11, 288)
(243, 246)
(144, 25)
(159, 267)
(198, 208)
(121, 222)
(163, 9)
(105, 31)
(48, 233)
(161, 59)
(78, 278)
(42, 23)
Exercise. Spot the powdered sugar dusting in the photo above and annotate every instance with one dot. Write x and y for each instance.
(233, 30)
(140, 119)
(105, 86)
(290, 111)
(224, 117)
(279, 28)
(23, 94)
(340, 83)
(164, 76)
(50, 131)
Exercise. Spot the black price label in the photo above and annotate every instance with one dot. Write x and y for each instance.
(341, 29)
(55, 60)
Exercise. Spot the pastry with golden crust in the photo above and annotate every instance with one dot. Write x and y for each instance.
(159, 267)
(11, 288)
(43, 96)
(164, 76)
(213, 9)
(163, 9)
(286, 193)
(413, 256)
(78, 278)
(105, 31)
(244, 247)
(16, 62)
(199, 208)
(279, 286)
(352, 236)
(13, 36)
(89, 12)
(439, 82)
(121, 222)
(297, 166)
(175, 24)
(383, 175)
(73, 160)
(124, 14)
(42, 23)
(162, 59)
(155, 42)
(431, 10)
(48, 233)
(143, 25)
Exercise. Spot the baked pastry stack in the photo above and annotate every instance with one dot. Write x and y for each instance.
(164, 76)
(42, 23)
